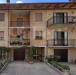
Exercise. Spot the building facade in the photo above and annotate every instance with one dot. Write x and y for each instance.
(72, 0)
(48, 27)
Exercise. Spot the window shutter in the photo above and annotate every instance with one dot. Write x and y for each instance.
(65, 17)
(38, 17)
(2, 16)
(1, 35)
(54, 17)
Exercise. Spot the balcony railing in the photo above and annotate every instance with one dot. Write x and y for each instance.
(19, 24)
(61, 43)
(62, 20)
(19, 42)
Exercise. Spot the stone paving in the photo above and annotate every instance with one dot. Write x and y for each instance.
(22, 68)
(72, 69)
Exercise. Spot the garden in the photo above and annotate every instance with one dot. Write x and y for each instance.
(53, 60)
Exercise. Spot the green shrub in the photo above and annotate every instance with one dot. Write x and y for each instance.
(61, 67)
(66, 67)
(52, 58)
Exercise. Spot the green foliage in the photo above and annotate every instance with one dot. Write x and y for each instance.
(33, 51)
(7, 49)
(52, 58)
(4, 49)
(54, 61)
(60, 66)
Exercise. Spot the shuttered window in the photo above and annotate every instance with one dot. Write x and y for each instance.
(38, 35)
(1, 35)
(2, 16)
(60, 18)
(38, 17)
(60, 38)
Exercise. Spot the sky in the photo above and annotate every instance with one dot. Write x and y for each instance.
(33, 1)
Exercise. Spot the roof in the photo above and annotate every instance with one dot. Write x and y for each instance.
(40, 6)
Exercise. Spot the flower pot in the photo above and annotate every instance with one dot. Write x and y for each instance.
(31, 62)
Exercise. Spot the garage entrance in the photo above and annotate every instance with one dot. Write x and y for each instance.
(62, 54)
(19, 54)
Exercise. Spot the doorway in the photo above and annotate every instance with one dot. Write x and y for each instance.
(19, 54)
(62, 54)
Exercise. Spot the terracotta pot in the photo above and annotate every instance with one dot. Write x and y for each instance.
(31, 62)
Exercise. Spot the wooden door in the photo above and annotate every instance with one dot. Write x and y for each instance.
(19, 54)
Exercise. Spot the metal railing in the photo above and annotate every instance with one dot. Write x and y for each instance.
(61, 43)
(19, 42)
(19, 24)
(62, 20)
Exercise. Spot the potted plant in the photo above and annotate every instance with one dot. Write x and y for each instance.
(31, 55)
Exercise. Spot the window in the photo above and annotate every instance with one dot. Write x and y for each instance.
(38, 17)
(2, 17)
(19, 22)
(60, 18)
(60, 38)
(1, 35)
(38, 35)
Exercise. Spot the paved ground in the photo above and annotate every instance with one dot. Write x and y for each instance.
(22, 68)
(72, 69)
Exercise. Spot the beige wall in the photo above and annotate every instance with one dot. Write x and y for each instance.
(4, 27)
(14, 17)
(72, 54)
(38, 26)
(50, 51)
(71, 29)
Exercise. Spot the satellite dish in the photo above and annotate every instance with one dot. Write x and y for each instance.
(19, 2)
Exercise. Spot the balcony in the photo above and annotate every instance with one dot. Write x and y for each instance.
(61, 43)
(19, 24)
(19, 42)
(66, 20)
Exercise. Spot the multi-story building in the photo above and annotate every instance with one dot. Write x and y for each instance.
(49, 27)
(72, 0)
